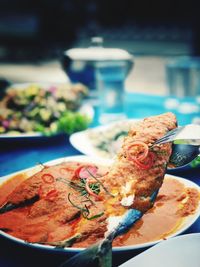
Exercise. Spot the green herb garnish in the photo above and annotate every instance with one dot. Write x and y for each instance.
(85, 210)
(97, 179)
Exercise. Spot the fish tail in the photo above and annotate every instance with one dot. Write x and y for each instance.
(98, 255)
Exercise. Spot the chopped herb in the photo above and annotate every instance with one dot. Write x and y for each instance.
(76, 186)
(97, 179)
(95, 187)
(76, 206)
(95, 216)
(85, 210)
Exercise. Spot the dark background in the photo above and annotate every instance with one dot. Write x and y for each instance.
(40, 29)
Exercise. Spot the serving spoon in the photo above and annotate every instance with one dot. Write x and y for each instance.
(183, 155)
(186, 144)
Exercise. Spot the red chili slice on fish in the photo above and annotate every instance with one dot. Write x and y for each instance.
(64, 171)
(89, 190)
(144, 159)
(52, 194)
(143, 150)
(83, 172)
(148, 162)
(41, 191)
(48, 178)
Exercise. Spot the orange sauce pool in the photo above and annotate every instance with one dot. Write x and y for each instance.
(173, 204)
(165, 217)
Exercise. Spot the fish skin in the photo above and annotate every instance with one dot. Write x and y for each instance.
(10, 206)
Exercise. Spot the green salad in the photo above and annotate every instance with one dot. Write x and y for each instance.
(48, 110)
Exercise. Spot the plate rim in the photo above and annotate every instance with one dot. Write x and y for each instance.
(82, 158)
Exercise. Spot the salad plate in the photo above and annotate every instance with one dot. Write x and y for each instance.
(86, 110)
(40, 110)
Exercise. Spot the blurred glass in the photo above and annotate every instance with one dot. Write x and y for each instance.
(183, 80)
(110, 77)
(183, 76)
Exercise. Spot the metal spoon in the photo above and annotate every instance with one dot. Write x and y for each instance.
(182, 155)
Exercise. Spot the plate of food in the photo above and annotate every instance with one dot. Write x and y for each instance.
(41, 110)
(47, 220)
(71, 203)
(102, 141)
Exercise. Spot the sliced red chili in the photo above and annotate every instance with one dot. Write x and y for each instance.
(83, 172)
(48, 178)
(89, 190)
(41, 191)
(142, 152)
(64, 171)
(148, 162)
(52, 194)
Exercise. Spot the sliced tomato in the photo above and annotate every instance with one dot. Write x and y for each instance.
(47, 178)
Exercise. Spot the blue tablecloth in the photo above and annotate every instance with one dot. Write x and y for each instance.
(18, 155)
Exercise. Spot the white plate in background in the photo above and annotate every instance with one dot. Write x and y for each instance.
(86, 141)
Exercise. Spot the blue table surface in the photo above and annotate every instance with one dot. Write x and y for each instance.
(18, 155)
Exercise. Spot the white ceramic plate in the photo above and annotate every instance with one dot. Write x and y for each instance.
(189, 220)
(180, 251)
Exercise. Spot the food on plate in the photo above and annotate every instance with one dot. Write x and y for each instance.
(45, 109)
(58, 217)
(76, 204)
(107, 141)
